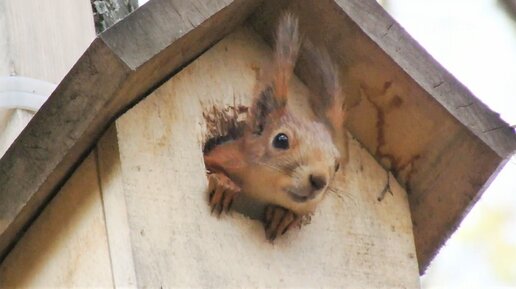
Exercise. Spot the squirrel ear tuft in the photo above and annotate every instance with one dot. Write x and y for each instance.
(286, 50)
(273, 90)
(264, 104)
(327, 98)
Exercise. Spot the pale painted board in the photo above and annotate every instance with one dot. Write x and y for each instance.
(66, 246)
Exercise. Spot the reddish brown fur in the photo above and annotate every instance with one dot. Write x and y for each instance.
(293, 180)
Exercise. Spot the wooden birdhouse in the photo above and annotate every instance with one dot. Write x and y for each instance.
(106, 186)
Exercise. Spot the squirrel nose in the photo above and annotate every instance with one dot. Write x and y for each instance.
(317, 182)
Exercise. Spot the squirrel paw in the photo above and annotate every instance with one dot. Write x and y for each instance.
(222, 192)
(278, 221)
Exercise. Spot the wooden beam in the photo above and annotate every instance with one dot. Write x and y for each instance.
(119, 68)
(55, 45)
(53, 50)
(442, 143)
(38, 39)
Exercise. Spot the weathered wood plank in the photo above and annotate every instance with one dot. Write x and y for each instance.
(97, 89)
(353, 240)
(442, 144)
(43, 40)
(66, 247)
(115, 210)
(15, 121)
(56, 138)
(34, 43)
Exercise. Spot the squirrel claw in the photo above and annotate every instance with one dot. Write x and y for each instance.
(278, 221)
(222, 193)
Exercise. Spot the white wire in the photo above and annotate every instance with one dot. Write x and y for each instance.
(24, 92)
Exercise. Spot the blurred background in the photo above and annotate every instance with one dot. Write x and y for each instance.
(475, 40)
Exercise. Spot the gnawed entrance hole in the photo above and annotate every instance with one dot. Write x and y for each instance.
(225, 125)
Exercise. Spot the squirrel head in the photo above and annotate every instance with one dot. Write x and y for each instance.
(295, 157)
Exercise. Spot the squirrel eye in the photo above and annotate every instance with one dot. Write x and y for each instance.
(337, 166)
(280, 141)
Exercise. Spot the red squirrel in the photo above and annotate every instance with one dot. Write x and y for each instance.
(282, 159)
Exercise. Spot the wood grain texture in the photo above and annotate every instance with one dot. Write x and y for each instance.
(35, 43)
(14, 123)
(97, 89)
(43, 40)
(66, 247)
(441, 143)
(58, 136)
(115, 210)
(474, 115)
(353, 240)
